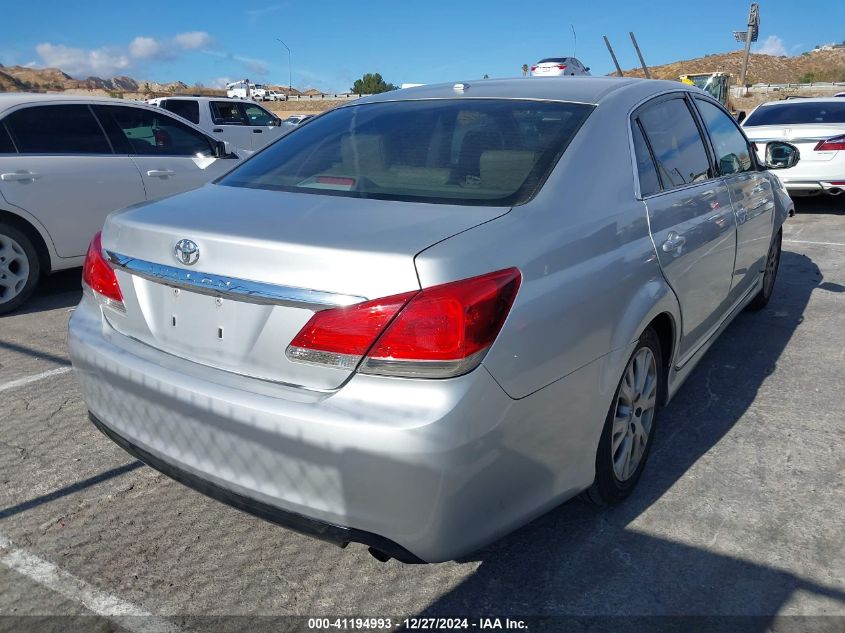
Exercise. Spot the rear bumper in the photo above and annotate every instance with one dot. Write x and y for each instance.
(422, 470)
(336, 534)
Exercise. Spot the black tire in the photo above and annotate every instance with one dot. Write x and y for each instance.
(12, 298)
(608, 489)
(761, 299)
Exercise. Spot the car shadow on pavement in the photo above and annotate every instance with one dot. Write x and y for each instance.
(60, 290)
(581, 561)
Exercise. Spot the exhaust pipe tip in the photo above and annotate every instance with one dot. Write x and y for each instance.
(378, 554)
(834, 191)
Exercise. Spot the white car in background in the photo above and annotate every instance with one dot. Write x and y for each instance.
(244, 124)
(67, 162)
(298, 119)
(559, 67)
(817, 128)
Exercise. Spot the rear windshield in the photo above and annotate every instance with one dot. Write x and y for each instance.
(467, 151)
(797, 112)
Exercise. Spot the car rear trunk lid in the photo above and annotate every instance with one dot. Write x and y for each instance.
(267, 261)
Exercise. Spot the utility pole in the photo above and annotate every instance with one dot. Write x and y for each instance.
(290, 84)
(750, 36)
(613, 55)
(640, 55)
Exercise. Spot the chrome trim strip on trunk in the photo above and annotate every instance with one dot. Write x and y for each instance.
(230, 287)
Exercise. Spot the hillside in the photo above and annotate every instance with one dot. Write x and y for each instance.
(812, 66)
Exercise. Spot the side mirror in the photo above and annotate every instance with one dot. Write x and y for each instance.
(587, 69)
(223, 149)
(780, 155)
(276, 122)
(740, 116)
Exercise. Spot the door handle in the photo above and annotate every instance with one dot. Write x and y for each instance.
(217, 129)
(673, 242)
(161, 173)
(257, 131)
(19, 175)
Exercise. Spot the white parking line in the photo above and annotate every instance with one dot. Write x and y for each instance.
(20, 382)
(124, 614)
(814, 243)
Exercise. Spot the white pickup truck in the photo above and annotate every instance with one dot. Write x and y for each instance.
(244, 124)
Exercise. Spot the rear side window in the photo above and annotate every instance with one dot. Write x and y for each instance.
(6, 145)
(226, 113)
(57, 129)
(649, 182)
(796, 113)
(257, 115)
(463, 151)
(732, 153)
(676, 143)
(185, 108)
(153, 133)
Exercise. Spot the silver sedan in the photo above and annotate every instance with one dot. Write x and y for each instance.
(427, 317)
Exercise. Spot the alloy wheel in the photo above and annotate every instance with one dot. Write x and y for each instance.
(636, 405)
(14, 268)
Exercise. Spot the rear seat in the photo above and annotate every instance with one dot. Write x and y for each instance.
(506, 169)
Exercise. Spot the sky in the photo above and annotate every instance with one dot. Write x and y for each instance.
(333, 42)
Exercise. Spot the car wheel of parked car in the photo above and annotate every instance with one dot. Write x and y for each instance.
(772, 263)
(628, 430)
(19, 268)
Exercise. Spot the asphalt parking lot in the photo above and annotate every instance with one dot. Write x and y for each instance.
(740, 512)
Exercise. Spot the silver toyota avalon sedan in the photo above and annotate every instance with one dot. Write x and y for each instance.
(431, 315)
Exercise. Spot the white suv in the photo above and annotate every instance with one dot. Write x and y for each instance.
(67, 162)
(243, 123)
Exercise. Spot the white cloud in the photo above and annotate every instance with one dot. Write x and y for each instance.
(193, 40)
(220, 82)
(254, 15)
(104, 62)
(772, 45)
(145, 48)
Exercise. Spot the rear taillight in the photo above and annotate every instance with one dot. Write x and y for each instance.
(533, 68)
(832, 144)
(100, 277)
(562, 66)
(437, 332)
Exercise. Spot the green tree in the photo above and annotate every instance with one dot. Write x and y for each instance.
(371, 84)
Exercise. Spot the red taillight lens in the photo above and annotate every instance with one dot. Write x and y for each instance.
(438, 332)
(562, 66)
(162, 138)
(834, 144)
(533, 68)
(341, 336)
(98, 275)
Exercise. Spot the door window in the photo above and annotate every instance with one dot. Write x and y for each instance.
(57, 129)
(6, 145)
(227, 113)
(256, 115)
(649, 182)
(676, 143)
(185, 108)
(153, 133)
(732, 153)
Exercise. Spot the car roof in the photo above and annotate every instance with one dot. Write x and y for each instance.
(196, 98)
(9, 99)
(791, 102)
(580, 89)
